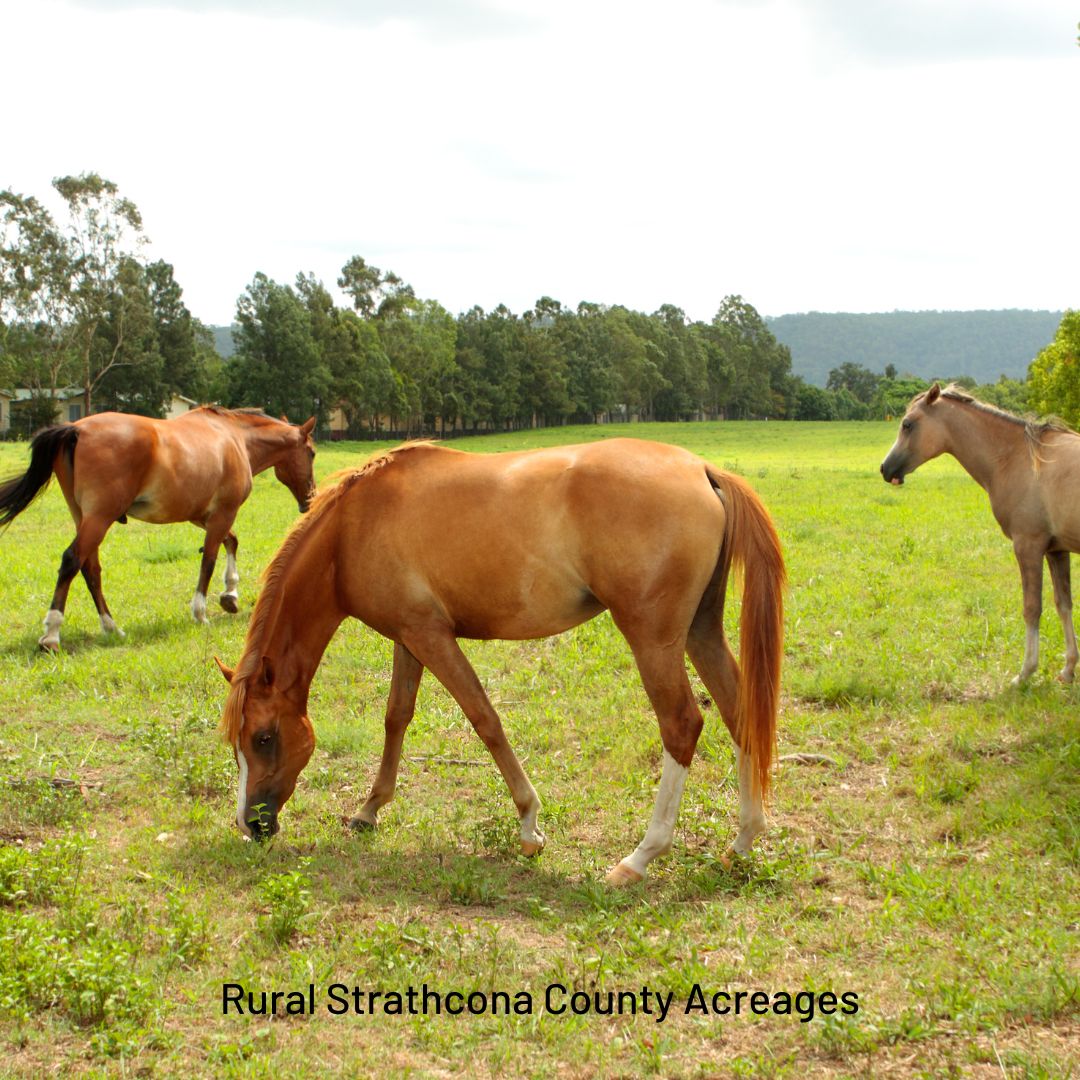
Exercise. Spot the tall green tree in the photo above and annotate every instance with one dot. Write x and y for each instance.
(35, 347)
(103, 237)
(277, 364)
(125, 347)
(1054, 375)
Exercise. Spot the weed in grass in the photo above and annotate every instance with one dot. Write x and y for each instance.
(40, 802)
(94, 979)
(469, 882)
(287, 898)
(187, 754)
(40, 876)
(184, 931)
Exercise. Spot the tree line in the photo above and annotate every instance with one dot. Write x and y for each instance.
(80, 307)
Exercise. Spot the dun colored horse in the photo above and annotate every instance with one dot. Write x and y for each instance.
(427, 545)
(197, 467)
(1031, 473)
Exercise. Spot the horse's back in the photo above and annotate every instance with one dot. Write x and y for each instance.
(155, 470)
(529, 543)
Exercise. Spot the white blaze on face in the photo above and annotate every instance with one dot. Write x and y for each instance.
(241, 792)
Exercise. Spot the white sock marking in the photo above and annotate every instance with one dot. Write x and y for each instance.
(232, 575)
(1031, 654)
(661, 830)
(751, 814)
(53, 621)
(198, 607)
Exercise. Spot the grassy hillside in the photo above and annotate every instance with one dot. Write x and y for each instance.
(931, 870)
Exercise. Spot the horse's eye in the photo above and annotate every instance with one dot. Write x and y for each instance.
(907, 425)
(263, 739)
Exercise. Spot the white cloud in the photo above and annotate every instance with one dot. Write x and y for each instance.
(806, 154)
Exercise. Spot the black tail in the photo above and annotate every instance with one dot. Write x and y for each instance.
(18, 492)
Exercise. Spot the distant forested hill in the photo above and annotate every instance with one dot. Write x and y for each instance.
(223, 341)
(982, 344)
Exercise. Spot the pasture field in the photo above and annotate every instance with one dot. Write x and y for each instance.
(930, 869)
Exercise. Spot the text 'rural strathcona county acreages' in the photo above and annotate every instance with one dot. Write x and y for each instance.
(555, 999)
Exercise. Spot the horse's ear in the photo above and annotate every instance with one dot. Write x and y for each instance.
(227, 672)
(267, 672)
(933, 394)
(308, 427)
(284, 418)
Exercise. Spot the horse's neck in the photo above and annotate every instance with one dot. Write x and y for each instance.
(982, 442)
(264, 443)
(305, 612)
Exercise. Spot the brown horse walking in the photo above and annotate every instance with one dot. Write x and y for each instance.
(1031, 471)
(427, 545)
(197, 467)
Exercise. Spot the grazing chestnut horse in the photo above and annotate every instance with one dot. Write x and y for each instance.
(1031, 471)
(197, 467)
(427, 545)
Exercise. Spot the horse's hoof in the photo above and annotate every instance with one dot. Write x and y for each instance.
(621, 874)
(529, 848)
(229, 604)
(359, 824)
(48, 646)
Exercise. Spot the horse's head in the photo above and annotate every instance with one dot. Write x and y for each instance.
(294, 468)
(922, 436)
(272, 739)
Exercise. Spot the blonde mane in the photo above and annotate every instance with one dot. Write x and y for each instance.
(1034, 429)
(270, 597)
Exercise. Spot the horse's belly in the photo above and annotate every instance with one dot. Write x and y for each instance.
(543, 620)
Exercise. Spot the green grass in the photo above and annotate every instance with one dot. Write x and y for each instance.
(933, 872)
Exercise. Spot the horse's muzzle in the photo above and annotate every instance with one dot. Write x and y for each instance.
(262, 819)
(892, 474)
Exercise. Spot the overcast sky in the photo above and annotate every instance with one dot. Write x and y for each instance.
(829, 155)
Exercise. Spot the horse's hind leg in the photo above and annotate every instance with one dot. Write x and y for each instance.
(712, 658)
(1060, 575)
(230, 599)
(663, 672)
(400, 705)
(438, 651)
(216, 531)
(91, 572)
(88, 536)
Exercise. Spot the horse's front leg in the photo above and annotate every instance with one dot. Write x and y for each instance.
(400, 706)
(1060, 575)
(436, 648)
(1029, 557)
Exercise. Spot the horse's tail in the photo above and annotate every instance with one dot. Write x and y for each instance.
(18, 492)
(751, 542)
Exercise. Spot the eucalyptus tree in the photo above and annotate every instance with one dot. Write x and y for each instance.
(34, 348)
(103, 236)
